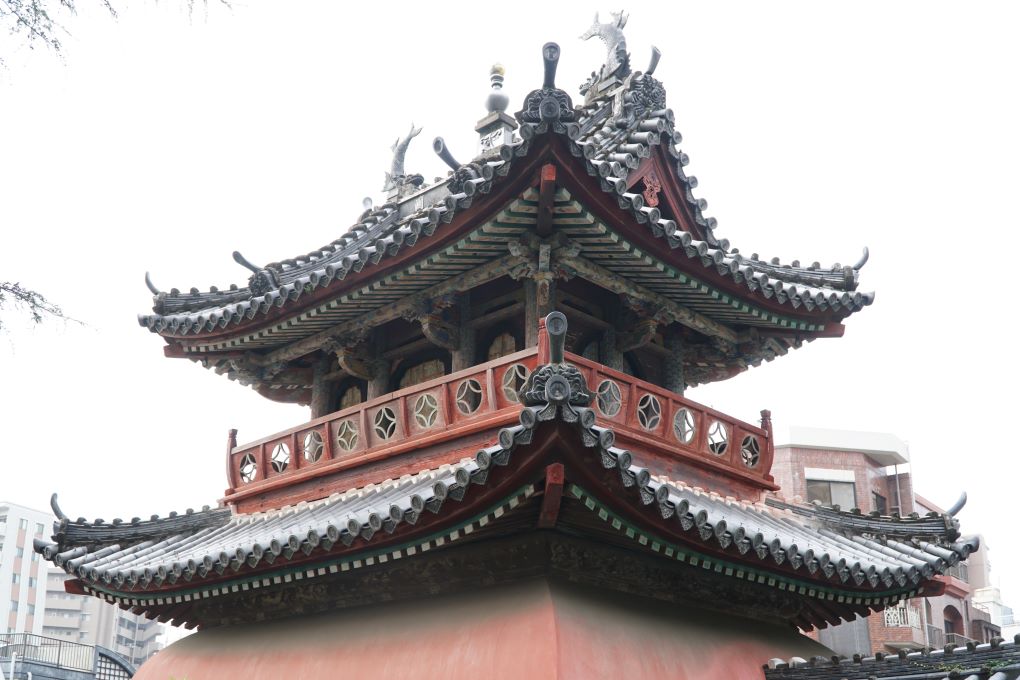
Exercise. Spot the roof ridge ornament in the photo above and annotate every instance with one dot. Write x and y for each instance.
(557, 385)
(617, 66)
(262, 280)
(398, 182)
(548, 104)
(496, 129)
(465, 177)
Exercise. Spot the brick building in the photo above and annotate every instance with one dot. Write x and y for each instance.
(869, 471)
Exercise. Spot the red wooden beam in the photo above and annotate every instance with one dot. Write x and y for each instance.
(546, 196)
(552, 497)
(74, 587)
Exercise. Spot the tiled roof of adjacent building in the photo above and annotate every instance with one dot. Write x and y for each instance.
(997, 660)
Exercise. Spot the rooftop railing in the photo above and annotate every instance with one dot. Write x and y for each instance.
(485, 397)
(959, 571)
(47, 650)
(958, 639)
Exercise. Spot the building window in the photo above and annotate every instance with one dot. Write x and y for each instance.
(19, 552)
(39, 529)
(15, 578)
(31, 610)
(832, 493)
(879, 503)
(23, 524)
(32, 581)
(14, 606)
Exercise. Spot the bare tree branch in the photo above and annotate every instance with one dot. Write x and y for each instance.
(19, 297)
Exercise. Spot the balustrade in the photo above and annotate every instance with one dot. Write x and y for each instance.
(48, 650)
(487, 395)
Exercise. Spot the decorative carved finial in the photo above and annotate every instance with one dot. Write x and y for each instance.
(243, 261)
(465, 177)
(396, 178)
(496, 128)
(549, 104)
(654, 62)
(150, 285)
(497, 100)
(864, 259)
(617, 60)
(958, 505)
(439, 146)
(56, 508)
(551, 57)
(262, 280)
(556, 327)
(557, 383)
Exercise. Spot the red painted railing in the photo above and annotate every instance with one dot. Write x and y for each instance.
(483, 396)
(676, 424)
(449, 406)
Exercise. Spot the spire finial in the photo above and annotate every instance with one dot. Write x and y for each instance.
(497, 100)
(496, 129)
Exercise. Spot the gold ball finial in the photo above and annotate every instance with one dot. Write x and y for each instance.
(497, 70)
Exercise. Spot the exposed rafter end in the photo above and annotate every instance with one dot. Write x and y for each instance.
(174, 350)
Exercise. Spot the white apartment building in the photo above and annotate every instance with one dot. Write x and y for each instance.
(89, 620)
(22, 572)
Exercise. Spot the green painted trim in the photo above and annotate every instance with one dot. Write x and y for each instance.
(363, 558)
(739, 571)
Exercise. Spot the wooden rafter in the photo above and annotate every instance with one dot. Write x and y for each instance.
(622, 286)
(396, 310)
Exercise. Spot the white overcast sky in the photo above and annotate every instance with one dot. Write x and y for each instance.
(162, 143)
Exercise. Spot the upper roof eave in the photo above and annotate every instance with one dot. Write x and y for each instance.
(792, 289)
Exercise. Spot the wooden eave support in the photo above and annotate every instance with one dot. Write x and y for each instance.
(439, 331)
(622, 286)
(642, 334)
(355, 363)
(396, 310)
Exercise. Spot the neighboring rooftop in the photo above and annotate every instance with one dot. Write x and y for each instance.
(881, 447)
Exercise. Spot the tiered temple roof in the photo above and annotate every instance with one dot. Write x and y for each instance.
(556, 467)
(548, 459)
(618, 209)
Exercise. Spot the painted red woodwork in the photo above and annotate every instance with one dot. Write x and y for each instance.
(553, 152)
(537, 629)
(546, 198)
(552, 495)
(455, 435)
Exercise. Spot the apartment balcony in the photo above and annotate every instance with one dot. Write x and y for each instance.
(958, 640)
(957, 580)
(444, 420)
(959, 571)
